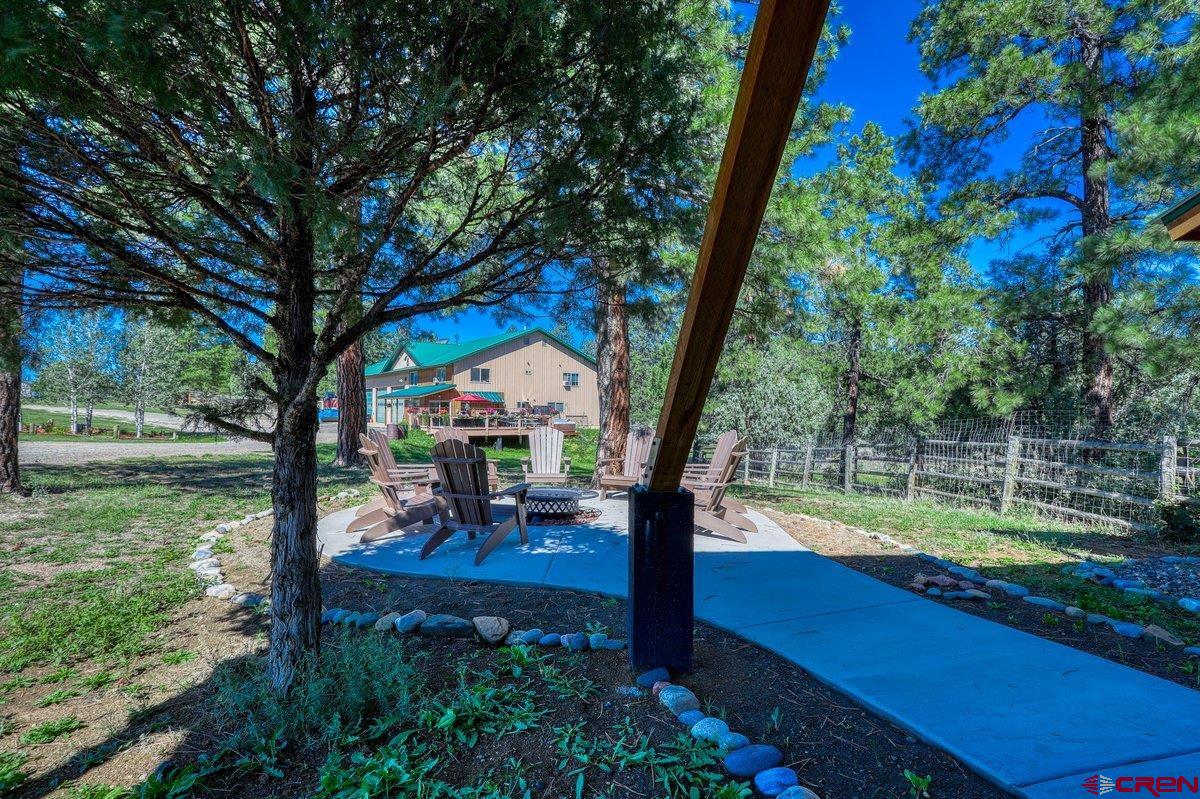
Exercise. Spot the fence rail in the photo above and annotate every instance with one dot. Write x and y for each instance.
(1116, 483)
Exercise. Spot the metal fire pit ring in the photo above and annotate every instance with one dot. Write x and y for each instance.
(555, 501)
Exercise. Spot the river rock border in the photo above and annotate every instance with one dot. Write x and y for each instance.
(207, 566)
(966, 587)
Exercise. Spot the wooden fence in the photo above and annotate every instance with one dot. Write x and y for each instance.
(1100, 482)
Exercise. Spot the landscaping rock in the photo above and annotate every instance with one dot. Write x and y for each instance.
(995, 584)
(1155, 633)
(202, 553)
(1045, 602)
(443, 625)
(550, 639)
(221, 528)
(709, 729)
(513, 638)
(797, 792)
(775, 781)
(1192, 651)
(1012, 589)
(596, 640)
(387, 622)
(964, 572)
(1127, 629)
(207, 563)
(532, 636)
(629, 690)
(656, 689)
(965, 585)
(613, 644)
(328, 615)
(648, 678)
(975, 593)
(752, 759)
(1097, 618)
(339, 616)
(248, 600)
(730, 741)
(1075, 613)
(942, 581)
(956, 595)
(918, 587)
(678, 699)
(352, 619)
(367, 619)
(492, 629)
(576, 642)
(222, 591)
(1190, 604)
(691, 717)
(934, 592)
(410, 621)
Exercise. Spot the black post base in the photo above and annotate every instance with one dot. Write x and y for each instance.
(661, 524)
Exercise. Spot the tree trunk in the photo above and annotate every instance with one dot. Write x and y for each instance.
(352, 399)
(1097, 388)
(139, 418)
(87, 418)
(612, 368)
(853, 377)
(295, 577)
(11, 329)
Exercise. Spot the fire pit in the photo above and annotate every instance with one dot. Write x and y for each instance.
(555, 501)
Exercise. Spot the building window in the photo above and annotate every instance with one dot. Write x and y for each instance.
(557, 407)
(441, 374)
(412, 378)
(481, 375)
(570, 378)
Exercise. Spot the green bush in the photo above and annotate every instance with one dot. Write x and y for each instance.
(1180, 522)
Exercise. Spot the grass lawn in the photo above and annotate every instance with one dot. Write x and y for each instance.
(581, 449)
(1016, 547)
(62, 422)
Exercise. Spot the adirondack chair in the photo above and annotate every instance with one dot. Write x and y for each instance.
(702, 476)
(637, 449)
(712, 514)
(546, 463)
(404, 505)
(457, 434)
(463, 474)
(416, 474)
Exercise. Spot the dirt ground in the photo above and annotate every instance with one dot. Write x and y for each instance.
(891, 565)
(156, 710)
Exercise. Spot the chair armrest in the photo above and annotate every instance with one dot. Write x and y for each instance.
(512, 491)
(610, 460)
(566, 465)
(525, 463)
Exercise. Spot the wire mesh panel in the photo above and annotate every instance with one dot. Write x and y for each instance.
(971, 472)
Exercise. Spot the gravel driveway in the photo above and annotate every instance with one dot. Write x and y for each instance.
(59, 453)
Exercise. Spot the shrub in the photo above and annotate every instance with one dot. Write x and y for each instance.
(1180, 522)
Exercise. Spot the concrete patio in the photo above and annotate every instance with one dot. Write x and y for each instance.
(1035, 717)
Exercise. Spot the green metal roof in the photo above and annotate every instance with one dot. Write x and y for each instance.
(438, 353)
(491, 396)
(1180, 208)
(410, 392)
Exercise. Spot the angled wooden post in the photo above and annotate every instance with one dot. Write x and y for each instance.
(781, 50)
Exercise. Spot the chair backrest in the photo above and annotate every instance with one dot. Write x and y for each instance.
(450, 434)
(727, 474)
(721, 451)
(462, 469)
(545, 450)
(637, 450)
(379, 474)
(380, 441)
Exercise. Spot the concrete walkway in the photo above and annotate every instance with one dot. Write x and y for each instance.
(1035, 717)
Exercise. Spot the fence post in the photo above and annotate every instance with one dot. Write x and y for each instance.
(848, 468)
(746, 467)
(696, 451)
(774, 466)
(1168, 468)
(806, 472)
(1012, 455)
(910, 488)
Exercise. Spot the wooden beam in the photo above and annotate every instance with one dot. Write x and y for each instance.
(781, 51)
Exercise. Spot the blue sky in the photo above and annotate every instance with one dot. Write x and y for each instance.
(878, 75)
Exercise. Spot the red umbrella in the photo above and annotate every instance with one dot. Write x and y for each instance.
(473, 398)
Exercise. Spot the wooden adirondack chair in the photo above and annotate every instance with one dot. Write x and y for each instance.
(416, 475)
(637, 449)
(463, 474)
(711, 512)
(701, 476)
(546, 463)
(452, 434)
(403, 506)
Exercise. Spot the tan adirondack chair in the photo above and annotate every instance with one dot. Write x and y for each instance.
(404, 505)
(702, 476)
(457, 434)
(711, 511)
(416, 474)
(546, 463)
(637, 449)
(463, 474)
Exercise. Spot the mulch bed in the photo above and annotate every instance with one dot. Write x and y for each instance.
(898, 568)
(585, 516)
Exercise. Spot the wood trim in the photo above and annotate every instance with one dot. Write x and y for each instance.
(781, 51)
(1186, 227)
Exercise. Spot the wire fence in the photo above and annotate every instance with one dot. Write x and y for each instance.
(1000, 465)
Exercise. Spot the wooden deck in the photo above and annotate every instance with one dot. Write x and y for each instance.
(499, 431)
